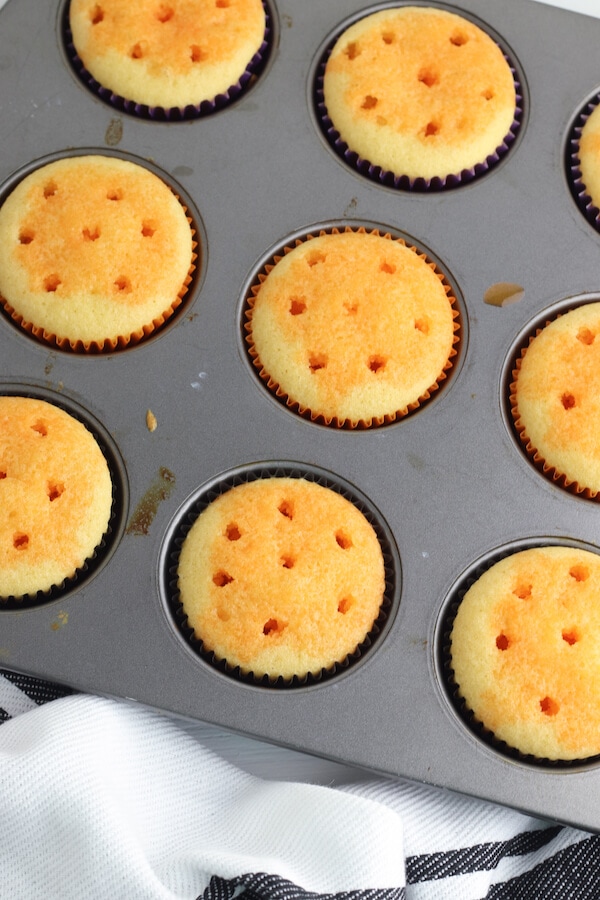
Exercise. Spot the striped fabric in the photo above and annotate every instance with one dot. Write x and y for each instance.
(454, 848)
(261, 886)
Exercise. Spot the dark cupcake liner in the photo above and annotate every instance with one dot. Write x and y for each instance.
(452, 688)
(573, 164)
(549, 471)
(97, 558)
(180, 620)
(335, 421)
(68, 584)
(176, 113)
(400, 181)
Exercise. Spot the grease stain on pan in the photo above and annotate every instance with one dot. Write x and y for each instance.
(114, 133)
(146, 510)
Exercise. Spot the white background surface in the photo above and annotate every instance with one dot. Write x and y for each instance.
(588, 7)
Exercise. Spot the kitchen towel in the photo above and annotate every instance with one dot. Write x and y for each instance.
(106, 799)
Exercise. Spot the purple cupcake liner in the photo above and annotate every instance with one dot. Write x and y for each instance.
(195, 643)
(172, 114)
(405, 182)
(578, 188)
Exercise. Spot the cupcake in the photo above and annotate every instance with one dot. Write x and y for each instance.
(585, 162)
(419, 94)
(95, 253)
(281, 578)
(352, 328)
(55, 496)
(172, 56)
(523, 653)
(555, 399)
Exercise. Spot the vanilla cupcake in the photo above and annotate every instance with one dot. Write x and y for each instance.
(555, 399)
(55, 496)
(96, 253)
(281, 578)
(171, 55)
(523, 653)
(352, 328)
(420, 94)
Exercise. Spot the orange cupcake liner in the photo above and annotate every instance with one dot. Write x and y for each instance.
(548, 470)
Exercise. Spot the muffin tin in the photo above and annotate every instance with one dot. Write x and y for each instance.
(448, 486)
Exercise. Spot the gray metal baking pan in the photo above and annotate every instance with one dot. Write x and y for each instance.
(449, 485)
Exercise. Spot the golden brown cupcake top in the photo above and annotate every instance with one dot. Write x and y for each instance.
(419, 91)
(353, 326)
(281, 576)
(167, 54)
(525, 651)
(55, 495)
(93, 250)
